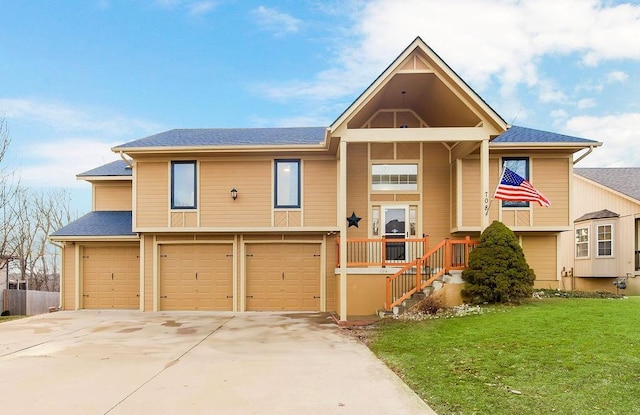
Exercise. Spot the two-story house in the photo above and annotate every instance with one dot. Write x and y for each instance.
(350, 218)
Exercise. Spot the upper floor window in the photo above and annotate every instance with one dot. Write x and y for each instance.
(287, 183)
(183, 185)
(394, 177)
(520, 166)
(605, 240)
(582, 242)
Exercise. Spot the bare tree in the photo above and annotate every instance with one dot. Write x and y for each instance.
(8, 188)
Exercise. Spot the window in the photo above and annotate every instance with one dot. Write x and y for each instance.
(520, 166)
(605, 245)
(582, 242)
(394, 177)
(183, 185)
(287, 184)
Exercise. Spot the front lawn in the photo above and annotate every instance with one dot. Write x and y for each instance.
(550, 356)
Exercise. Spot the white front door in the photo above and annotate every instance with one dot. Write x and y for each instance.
(394, 226)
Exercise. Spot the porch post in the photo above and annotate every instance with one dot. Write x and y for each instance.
(342, 222)
(485, 196)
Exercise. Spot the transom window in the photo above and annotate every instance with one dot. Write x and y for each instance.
(582, 242)
(287, 183)
(520, 166)
(183, 185)
(605, 240)
(394, 177)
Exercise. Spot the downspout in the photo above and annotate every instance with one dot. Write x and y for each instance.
(126, 160)
(583, 156)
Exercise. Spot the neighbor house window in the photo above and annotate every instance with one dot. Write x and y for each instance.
(394, 177)
(520, 166)
(287, 184)
(582, 242)
(605, 241)
(183, 185)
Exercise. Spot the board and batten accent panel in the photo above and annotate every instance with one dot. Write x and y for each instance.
(69, 275)
(540, 251)
(148, 276)
(252, 179)
(550, 176)
(357, 188)
(320, 192)
(112, 195)
(436, 206)
(471, 192)
(152, 199)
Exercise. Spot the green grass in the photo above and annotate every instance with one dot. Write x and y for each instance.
(551, 356)
(7, 318)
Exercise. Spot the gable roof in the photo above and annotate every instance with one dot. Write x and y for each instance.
(601, 214)
(224, 137)
(115, 168)
(625, 180)
(98, 223)
(517, 134)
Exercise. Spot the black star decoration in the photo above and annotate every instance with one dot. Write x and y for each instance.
(353, 220)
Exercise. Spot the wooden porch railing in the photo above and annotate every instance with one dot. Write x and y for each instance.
(383, 251)
(414, 277)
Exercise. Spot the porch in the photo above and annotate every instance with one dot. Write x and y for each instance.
(384, 272)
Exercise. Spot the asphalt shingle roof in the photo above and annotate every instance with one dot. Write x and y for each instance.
(115, 168)
(517, 134)
(231, 137)
(601, 214)
(625, 180)
(99, 223)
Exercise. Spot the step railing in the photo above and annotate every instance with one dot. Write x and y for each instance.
(414, 277)
(382, 252)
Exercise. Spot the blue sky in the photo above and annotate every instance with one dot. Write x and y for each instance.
(78, 77)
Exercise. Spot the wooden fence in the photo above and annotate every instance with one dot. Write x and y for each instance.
(29, 302)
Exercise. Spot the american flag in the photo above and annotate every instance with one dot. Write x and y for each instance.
(517, 189)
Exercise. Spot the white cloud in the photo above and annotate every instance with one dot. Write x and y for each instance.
(616, 132)
(201, 8)
(616, 76)
(586, 103)
(274, 21)
(485, 41)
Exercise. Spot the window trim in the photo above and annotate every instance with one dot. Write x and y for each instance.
(598, 226)
(587, 242)
(508, 203)
(195, 184)
(275, 184)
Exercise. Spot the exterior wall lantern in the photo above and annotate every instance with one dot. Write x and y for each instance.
(234, 193)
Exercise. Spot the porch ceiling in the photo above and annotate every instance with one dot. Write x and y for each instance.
(425, 94)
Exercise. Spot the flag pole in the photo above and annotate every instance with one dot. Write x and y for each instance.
(504, 167)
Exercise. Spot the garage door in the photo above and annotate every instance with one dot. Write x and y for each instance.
(111, 277)
(196, 277)
(283, 277)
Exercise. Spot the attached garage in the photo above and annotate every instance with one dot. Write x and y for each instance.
(283, 276)
(196, 277)
(111, 277)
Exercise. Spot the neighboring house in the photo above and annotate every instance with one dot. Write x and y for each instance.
(605, 243)
(350, 218)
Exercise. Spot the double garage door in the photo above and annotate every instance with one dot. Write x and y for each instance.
(110, 277)
(279, 277)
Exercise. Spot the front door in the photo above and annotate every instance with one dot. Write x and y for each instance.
(394, 220)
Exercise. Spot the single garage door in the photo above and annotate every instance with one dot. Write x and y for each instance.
(111, 277)
(196, 277)
(283, 277)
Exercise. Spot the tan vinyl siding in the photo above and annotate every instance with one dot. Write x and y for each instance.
(408, 151)
(112, 195)
(550, 176)
(471, 192)
(69, 275)
(410, 197)
(152, 189)
(454, 195)
(382, 198)
(332, 258)
(357, 188)
(320, 193)
(381, 151)
(252, 179)
(436, 201)
(540, 253)
(148, 272)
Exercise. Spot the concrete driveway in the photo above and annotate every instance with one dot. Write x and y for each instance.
(128, 362)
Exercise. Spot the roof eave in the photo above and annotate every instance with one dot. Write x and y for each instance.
(104, 178)
(97, 238)
(540, 146)
(222, 149)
